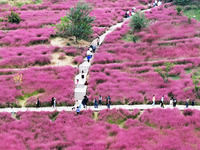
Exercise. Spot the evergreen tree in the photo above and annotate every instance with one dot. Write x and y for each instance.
(77, 23)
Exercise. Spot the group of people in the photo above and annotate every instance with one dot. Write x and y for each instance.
(173, 101)
(156, 3)
(130, 13)
(96, 103)
(53, 102)
(92, 49)
(108, 102)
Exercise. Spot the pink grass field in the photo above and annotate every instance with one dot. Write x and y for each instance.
(119, 129)
(126, 70)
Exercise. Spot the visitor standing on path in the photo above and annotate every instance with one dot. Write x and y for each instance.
(100, 100)
(95, 103)
(82, 74)
(174, 102)
(77, 110)
(193, 102)
(171, 101)
(52, 101)
(98, 41)
(187, 102)
(108, 101)
(154, 99)
(162, 101)
(38, 103)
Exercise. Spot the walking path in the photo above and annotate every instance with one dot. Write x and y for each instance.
(81, 89)
(128, 107)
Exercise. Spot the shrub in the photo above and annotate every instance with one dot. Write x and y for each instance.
(178, 9)
(14, 18)
(138, 21)
(78, 22)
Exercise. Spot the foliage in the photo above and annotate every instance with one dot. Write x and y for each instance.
(196, 82)
(138, 22)
(178, 9)
(164, 73)
(18, 79)
(14, 17)
(181, 2)
(77, 23)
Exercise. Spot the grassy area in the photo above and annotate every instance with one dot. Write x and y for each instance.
(22, 99)
(192, 11)
(174, 77)
(130, 38)
(20, 3)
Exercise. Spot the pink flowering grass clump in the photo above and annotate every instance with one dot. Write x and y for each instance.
(26, 56)
(164, 40)
(43, 83)
(166, 129)
(116, 116)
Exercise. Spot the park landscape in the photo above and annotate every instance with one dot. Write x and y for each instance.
(40, 58)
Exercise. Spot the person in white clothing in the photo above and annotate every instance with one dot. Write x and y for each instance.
(154, 100)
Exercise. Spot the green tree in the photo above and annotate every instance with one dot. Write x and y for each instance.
(196, 82)
(178, 9)
(14, 17)
(77, 23)
(164, 72)
(138, 22)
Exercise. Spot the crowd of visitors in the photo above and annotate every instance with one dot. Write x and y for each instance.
(172, 102)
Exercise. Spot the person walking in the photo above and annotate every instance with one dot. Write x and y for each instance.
(52, 101)
(95, 103)
(193, 102)
(154, 100)
(83, 102)
(108, 101)
(187, 102)
(77, 110)
(38, 103)
(82, 74)
(171, 101)
(100, 100)
(98, 41)
(86, 101)
(162, 101)
(174, 102)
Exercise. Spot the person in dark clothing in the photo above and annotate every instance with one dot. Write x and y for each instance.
(126, 15)
(52, 101)
(86, 83)
(38, 103)
(98, 41)
(93, 48)
(95, 103)
(108, 101)
(82, 75)
(174, 102)
(193, 102)
(85, 101)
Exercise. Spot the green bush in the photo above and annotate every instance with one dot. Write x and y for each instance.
(138, 22)
(181, 2)
(178, 9)
(14, 18)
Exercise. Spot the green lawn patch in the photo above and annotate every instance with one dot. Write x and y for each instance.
(174, 77)
(192, 11)
(130, 38)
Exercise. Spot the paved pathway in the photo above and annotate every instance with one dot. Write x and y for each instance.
(128, 107)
